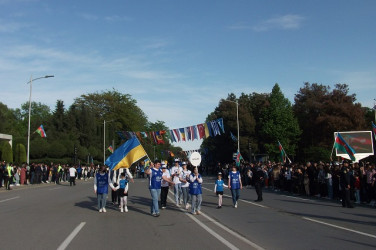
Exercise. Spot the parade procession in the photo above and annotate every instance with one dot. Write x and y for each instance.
(187, 124)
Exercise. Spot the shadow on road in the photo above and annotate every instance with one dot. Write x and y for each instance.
(90, 204)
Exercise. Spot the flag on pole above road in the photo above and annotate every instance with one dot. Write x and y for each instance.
(41, 131)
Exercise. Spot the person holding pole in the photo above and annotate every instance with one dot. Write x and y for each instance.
(155, 177)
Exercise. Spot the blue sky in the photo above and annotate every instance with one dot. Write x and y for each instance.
(179, 58)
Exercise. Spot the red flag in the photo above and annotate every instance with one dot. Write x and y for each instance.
(159, 136)
(201, 130)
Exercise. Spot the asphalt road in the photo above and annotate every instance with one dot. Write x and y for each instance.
(50, 216)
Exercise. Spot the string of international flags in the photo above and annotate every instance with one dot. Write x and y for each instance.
(190, 133)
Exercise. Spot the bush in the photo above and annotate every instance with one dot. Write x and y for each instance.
(20, 153)
(6, 152)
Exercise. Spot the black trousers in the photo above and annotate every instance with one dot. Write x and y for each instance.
(164, 193)
(72, 180)
(258, 187)
(7, 181)
(346, 197)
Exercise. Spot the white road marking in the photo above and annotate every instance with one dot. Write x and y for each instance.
(10, 199)
(254, 245)
(227, 243)
(73, 234)
(209, 230)
(249, 202)
(298, 198)
(339, 227)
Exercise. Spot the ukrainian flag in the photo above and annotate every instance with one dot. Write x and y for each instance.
(127, 154)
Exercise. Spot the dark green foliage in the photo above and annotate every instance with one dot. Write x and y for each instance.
(322, 112)
(278, 123)
(6, 151)
(20, 153)
(304, 129)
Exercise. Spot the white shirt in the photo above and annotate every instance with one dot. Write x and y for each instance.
(184, 175)
(163, 182)
(72, 172)
(176, 170)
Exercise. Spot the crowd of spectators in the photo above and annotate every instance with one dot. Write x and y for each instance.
(317, 179)
(16, 175)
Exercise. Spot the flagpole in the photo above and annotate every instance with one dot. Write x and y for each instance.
(333, 148)
(28, 128)
(237, 118)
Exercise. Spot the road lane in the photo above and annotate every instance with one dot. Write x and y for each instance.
(44, 216)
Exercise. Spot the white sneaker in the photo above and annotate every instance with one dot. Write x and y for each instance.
(101, 210)
(126, 209)
(236, 205)
(177, 204)
(121, 210)
(187, 206)
(104, 210)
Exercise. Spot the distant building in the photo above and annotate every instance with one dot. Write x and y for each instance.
(4, 137)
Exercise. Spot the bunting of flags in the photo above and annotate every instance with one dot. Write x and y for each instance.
(233, 137)
(342, 145)
(190, 133)
(41, 131)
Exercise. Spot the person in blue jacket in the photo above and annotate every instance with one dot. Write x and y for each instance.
(195, 191)
(218, 189)
(101, 182)
(235, 184)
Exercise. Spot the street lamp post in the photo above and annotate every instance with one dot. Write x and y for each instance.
(237, 119)
(28, 128)
(374, 107)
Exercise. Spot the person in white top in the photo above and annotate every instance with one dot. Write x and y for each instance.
(175, 172)
(184, 179)
(165, 185)
(72, 176)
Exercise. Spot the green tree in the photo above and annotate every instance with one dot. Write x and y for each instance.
(322, 112)
(58, 117)
(20, 153)
(56, 150)
(38, 148)
(220, 148)
(6, 152)
(279, 124)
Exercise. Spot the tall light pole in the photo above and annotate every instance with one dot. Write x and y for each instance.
(374, 107)
(28, 129)
(237, 119)
(104, 140)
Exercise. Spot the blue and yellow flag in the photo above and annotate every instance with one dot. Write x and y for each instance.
(127, 154)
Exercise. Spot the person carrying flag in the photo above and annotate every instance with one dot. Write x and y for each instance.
(155, 177)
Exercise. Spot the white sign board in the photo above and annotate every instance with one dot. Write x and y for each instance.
(195, 159)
